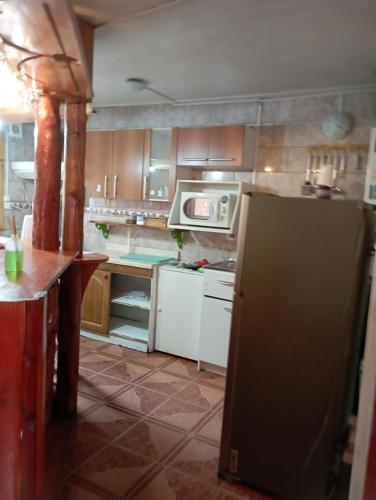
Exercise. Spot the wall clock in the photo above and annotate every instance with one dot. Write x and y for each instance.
(337, 125)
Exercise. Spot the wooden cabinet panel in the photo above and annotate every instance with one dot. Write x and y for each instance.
(193, 146)
(226, 146)
(95, 311)
(128, 156)
(98, 163)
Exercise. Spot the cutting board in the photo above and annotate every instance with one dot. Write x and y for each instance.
(145, 258)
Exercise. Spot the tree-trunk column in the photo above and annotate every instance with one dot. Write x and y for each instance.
(74, 187)
(47, 174)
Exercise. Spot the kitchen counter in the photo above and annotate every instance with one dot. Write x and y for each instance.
(115, 252)
(41, 269)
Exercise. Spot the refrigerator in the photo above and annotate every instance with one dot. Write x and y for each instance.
(301, 272)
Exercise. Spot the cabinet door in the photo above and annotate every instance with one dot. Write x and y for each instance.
(159, 164)
(98, 163)
(178, 313)
(95, 310)
(226, 146)
(193, 146)
(215, 331)
(126, 179)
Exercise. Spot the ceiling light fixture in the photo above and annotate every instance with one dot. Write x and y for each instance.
(139, 84)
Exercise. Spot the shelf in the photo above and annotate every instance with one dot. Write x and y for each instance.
(116, 223)
(126, 328)
(127, 300)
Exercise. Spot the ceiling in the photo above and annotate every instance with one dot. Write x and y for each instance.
(196, 50)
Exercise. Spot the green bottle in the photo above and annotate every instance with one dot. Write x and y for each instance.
(14, 254)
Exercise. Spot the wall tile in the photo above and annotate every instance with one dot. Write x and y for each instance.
(313, 108)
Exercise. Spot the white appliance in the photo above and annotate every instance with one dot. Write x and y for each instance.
(216, 316)
(214, 209)
(370, 184)
(178, 311)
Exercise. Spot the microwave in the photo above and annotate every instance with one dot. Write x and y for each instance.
(207, 209)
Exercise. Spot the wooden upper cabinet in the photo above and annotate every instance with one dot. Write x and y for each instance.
(216, 148)
(114, 164)
(193, 146)
(98, 163)
(226, 146)
(128, 158)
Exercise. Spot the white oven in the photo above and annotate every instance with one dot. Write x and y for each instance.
(207, 209)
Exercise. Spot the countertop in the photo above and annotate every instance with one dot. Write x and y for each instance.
(115, 251)
(41, 270)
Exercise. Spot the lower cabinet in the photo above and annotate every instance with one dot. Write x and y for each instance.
(215, 331)
(96, 303)
(178, 312)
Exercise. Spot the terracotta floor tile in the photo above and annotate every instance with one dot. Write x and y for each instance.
(164, 382)
(212, 379)
(127, 371)
(230, 490)
(81, 446)
(179, 414)
(100, 386)
(96, 362)
(115, 469)
(151, 440)
(74, 492)
(199, 460)
(170, 485)
(85, 404)
(106, 422)
(91, 343)
(84, 373)
(212, 428)
(84, 351)
(139, 399)
(200, 395)
(182, 367)
(153, 359)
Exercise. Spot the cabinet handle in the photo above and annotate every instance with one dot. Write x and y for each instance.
(228, 310)
(225, 283)
(222, 159)
(195, 159)
(105, 185)
(115, 184)
(145, 189)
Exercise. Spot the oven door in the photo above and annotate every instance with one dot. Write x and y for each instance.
(199, 210)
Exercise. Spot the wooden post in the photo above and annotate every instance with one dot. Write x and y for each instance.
(74, 188)
(47, 174)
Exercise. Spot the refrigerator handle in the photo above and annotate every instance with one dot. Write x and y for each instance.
(244, 211)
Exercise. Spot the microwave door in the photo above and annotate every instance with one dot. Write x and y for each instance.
(197, 208)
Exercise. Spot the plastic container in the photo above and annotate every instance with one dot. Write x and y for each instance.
(14, 255)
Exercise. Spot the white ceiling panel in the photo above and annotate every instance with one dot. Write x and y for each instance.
(202, 49)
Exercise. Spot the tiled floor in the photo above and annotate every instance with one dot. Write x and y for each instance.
(148, 429)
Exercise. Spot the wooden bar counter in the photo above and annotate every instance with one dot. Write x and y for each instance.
(23, 327)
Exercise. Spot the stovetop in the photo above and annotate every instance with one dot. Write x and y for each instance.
(225, 265)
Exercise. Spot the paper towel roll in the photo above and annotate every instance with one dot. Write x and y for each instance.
(27, 231)
(325, 177)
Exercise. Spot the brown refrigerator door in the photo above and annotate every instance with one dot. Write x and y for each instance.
(300, 271)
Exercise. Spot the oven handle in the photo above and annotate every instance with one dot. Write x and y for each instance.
(225, 283)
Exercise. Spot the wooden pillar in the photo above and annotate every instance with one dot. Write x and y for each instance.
(47, 174)
(69, 340)
(74, 188)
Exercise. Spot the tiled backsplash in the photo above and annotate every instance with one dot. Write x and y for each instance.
(288, 127)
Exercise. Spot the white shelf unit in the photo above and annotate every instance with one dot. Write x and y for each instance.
(131, 318)
(131, 301)
(237, 188)
(131, 330)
